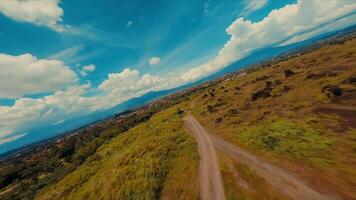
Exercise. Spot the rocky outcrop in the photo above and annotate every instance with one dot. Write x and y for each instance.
(288, 73)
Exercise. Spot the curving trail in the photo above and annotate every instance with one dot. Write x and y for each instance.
(210, 182)
(286, 183)
(209, 173)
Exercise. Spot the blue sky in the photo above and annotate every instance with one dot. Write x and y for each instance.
(61, 60)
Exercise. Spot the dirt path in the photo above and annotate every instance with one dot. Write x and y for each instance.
(279, 178)
(211, 186)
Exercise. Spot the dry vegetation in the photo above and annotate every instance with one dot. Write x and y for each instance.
(156, 159)
(299, 113)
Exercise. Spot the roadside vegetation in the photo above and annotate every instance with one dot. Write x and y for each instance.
(22, 176)
(298, 112)
(156, 159)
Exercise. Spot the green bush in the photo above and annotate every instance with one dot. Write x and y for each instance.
(284, 137)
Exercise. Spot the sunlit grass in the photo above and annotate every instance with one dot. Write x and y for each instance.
(156, 159)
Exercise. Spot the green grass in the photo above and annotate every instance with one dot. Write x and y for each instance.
(156, 159)
(287, 138)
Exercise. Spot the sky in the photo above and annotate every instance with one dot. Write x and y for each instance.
(61, 60)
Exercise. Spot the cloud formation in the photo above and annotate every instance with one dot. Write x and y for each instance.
(11, 138)
(29, 113)
(253, 5)
(292, 23)
(129, 23)
(87, 69)
(287, 25)
(154, 61)
(25, 74)
(41, 13)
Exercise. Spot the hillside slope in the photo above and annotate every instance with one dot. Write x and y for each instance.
(298, 113)
(156, 159)
(294, 115)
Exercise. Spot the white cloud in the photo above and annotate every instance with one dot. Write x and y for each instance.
(74, 54)
(83, 73)
(89, 68)
(119, 87)
(86, 69)
(253, 5)
(42, 13)
(67, 54)
(29, 113)
(154, 61)
(25, 74)
(292, 23)
(11, 138)
(129, 23)
(58, 122)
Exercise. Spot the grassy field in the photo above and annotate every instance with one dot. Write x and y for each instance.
(287, 113)
(156, 159)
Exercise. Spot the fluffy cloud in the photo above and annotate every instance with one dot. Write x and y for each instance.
(28, 113)
(294, 22)
(127, 84)
(89, 68)
(42, 13)
(287, 25)
(25, 74)
(86, 69)
(154, 61)
(280, 25)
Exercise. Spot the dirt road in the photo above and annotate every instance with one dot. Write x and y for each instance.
(285, 182)
(211, 186)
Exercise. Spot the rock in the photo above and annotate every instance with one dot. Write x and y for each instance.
(233, 111)
(311, 76)
(327, 74)
(210, 108)
(218, 120)
(286, 88)
(277, 82)
(262, 78)
(350, 80)
(321, 75)
(288, 73)
(269, 85)
(261, 94)
(332, 91)
(312, 61)
(211, 94)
